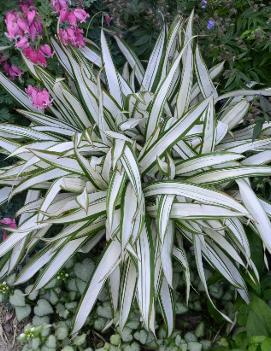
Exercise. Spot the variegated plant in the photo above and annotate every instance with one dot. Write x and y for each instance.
(147, 163)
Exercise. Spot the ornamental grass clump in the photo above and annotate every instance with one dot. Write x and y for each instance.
(140, 165)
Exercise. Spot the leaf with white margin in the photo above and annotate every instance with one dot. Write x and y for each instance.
(94, 176)
(91, 54)
(145, 293)
(58, 261)
(166, 253)
(235, 114)
(131, 58)
(237, 93)
(105, 266)
(255, 208)
(26, 132)
(41, 118)
(213, 73)
(114, 285)
(115, 188)
(171, 136)
(4, 194)
(95, 210)
(237, 230)
(208, 135)
(194, 192)
(225, 245)
(155, 62)
(128, 213)
(260, 158)
(34, 265)
(172, 39)
(62, 57)
(127, 291)
(159, 100)
(221, 132)
(164, 208)
(184, 94)
(39, 177)
(129, 162)
(204, 80)
(18, 250)
(110, 71)
(226, 267)
(19, 234)
(167, 306)
(180, 255)
(196, 211)
(199, 162)
(83, 199)
(17, 93)
(198, 241)
(232, 173)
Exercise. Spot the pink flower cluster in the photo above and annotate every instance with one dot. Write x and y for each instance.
(69, 19)
(9, 222)
(40, 97)
(25, 27)
(12, 71)
(38, 56)
(59, 5)
(23, 24)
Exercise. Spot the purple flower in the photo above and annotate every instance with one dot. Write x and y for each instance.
(210, 24)
(204, 4)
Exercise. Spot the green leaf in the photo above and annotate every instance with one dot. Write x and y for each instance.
(259, 318)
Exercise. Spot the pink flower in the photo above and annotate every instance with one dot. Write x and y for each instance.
(12, 71)
(30, 15)
(9, 222)
(67, 16)
(23, 25)
(38, 56)
(46, 50)
(59, 5)
(72, 36)
(25, 5)
(22, 43)
(73, 16)
(11, 21)
(107, 19)
(40, 97)
(81, 15)
(35, 56)
(35, 29)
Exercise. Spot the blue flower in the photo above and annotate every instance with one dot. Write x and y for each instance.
(210, 24)
(204, 4)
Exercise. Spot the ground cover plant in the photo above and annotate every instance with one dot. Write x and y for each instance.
(154, 146)
(48, 315)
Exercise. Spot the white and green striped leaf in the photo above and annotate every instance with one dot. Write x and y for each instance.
(105, 266)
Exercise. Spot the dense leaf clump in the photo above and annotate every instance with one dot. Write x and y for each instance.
(143, 164)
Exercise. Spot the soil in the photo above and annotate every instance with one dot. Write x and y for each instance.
(10, 328)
